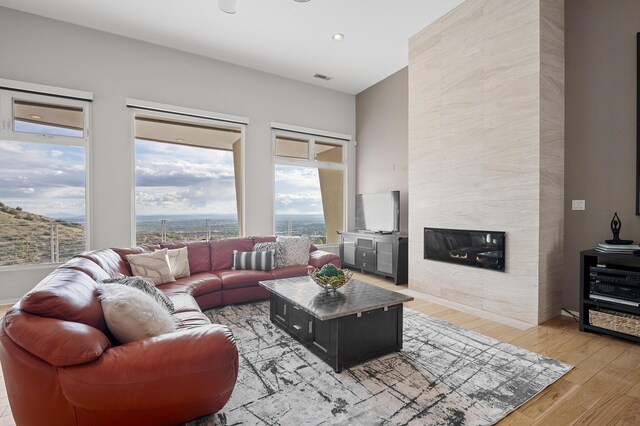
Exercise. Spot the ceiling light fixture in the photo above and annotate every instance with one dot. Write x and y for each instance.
(36, 117)
(228, 6)
(179, 140)
(337, 37)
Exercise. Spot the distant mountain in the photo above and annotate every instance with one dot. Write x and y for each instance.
(28, 237)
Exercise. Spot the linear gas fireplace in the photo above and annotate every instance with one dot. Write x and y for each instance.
(480, 249)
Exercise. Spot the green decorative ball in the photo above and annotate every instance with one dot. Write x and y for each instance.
(329, 270)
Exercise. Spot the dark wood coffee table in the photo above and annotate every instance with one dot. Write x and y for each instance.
(358, 322)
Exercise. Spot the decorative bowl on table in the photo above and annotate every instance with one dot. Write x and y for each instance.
(330, 278)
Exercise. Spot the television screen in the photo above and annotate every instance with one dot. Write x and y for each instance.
(378, 212)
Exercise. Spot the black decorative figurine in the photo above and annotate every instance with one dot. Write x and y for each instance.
(616, 225)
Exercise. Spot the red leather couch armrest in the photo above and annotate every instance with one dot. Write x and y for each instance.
(60, 343)
(319, 258)
(161, 371)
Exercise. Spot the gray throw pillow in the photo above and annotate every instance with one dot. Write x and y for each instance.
(147, 286)
(278, 248)
(257, 260)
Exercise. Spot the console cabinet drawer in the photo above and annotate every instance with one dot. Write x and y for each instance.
(366, 259)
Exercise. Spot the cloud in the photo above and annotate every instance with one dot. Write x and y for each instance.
(300, 203)
(297, 178)
(42, 180)
(173, 179)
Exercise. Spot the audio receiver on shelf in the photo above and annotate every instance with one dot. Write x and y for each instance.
(614, 285)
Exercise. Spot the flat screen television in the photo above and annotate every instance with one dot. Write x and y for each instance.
(379, 212)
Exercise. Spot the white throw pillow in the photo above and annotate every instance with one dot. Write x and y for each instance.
(154, 266)
(133, 315)
(295, 250)
(179, 262)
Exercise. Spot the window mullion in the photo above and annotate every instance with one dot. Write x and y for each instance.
(312, 149)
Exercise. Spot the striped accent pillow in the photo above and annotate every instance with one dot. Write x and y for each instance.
(260, 260)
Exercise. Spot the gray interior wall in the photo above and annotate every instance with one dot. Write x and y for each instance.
(600, 156)
(382, 134)
(44, 51)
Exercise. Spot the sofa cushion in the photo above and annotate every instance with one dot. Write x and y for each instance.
(183, 302)
(264, 239)
(133, 315)
(236, 279)
(296, 250)
(222, 251)
(198, 253)
(290, 271)
(146, 286)
(191, 319)
(112, 263)
(254, 260)
(319, 258)
(244, 294)
(209, 300)
(195, 285)
(179, 262)
(154, 266)
(124, 252)
(66, 294)
(88, 267)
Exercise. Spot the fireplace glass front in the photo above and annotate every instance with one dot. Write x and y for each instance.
(480, 249)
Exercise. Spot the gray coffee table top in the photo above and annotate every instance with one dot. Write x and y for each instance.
(356, 296)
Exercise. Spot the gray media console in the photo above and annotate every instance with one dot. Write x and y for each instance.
(381, 254)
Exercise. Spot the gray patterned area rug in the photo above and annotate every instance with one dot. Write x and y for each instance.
(444, 375)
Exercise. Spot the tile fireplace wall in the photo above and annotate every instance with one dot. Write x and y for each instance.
(486, 150)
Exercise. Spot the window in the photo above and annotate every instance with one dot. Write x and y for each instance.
(309, 186)
(188, 178)
(43, 155)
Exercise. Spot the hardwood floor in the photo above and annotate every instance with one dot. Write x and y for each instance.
(602, 389)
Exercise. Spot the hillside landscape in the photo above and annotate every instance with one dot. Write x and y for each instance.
(29, 238)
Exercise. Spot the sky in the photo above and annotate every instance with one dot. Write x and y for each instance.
(171, 179)
(43, 179)
(297, 190)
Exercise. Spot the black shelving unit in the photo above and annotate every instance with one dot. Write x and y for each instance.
(589, 258)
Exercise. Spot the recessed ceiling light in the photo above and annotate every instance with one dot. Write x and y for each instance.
(35, 116)
(179, 140)
(337, 36)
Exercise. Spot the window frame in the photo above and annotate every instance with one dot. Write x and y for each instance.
(9, 135)
(310, 161)
(170, 112)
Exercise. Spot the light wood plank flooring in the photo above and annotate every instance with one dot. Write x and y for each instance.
(602, 389)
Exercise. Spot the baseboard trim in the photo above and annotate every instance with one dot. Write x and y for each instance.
(511, 322)
(8, 302)
(566, 314)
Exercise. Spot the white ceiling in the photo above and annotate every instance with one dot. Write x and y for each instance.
(282, 37)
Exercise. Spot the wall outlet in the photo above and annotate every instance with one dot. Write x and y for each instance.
(577, 205)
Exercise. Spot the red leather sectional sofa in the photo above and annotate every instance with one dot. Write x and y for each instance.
(62, 366)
